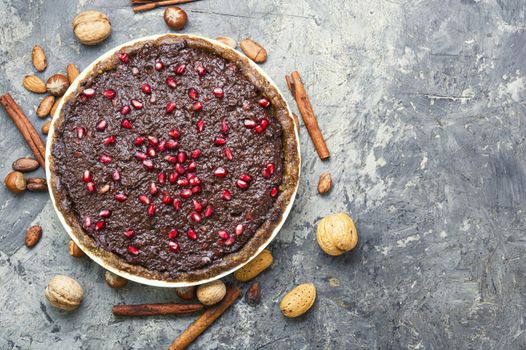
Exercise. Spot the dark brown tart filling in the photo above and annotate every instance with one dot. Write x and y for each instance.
(170, 157)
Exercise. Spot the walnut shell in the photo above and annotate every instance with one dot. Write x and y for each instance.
(91, 27)
(336, 234)
(299, 300)
(211, 293)
(64, 292)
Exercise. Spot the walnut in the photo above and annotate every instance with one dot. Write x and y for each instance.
(211, 293)
(337, 234)
(91, 27)
(64, 293)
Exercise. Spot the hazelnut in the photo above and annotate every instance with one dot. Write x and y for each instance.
(15, 182)
(211, 293)
(115, 281)
(186, 293)
(91, 27)
(74, 250)
(175, 17)
(64, 292)
(227, 41)
(56, 85)
(336, 234)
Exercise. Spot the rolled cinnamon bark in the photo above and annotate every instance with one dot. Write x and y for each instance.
(155, 309)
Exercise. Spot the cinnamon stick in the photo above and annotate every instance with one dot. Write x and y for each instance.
(152, 5)
(205, 320)
(154, 309)
(307, 114)
(25, 127)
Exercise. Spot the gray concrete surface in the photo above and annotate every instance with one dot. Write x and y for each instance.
(423, 106)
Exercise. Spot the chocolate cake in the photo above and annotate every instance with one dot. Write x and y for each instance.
(174, 159)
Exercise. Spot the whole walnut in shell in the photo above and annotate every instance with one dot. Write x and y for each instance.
(211, 293)
(337, 234)
(91, 27)
(64, 293)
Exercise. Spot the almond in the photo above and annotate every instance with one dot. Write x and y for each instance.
(25, 165)
(36, 184)
(45, 127)
(33, 235)
(39, 58)
(257, 265)
(55, 106)
(324, 183)
(227, 41)
(57, 84)
(74, 250)
(299, 300)
(253, 50)
(45, 106)
(72, 72)
(34, 84)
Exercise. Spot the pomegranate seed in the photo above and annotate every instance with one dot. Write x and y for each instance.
(191, 234)
(242, 184)
(224, 126)
(148, 164)
(144, 199)
(200, 125)
(172, 234)
(193, 94)
(105, 159)
(159, 66)
(228, 153)
(181, 157)
(136, 104)
(264, 123)
(171, 82)
(245, 177)
(170, 107)
(266, 173)
(200, 70)
(171, 144)
(88, 92)
(182, 182)
(133, 250)
(170, 159)
(151, 152)
(220, 172)
(86, 176)
(195, 181)
(129, 233)
(110, 140)
(197, 206)
(105, 213)
(263, 102)
(209, 211)
(152, 140)
(151, 210)
(172, 178)
(196, 189)
(180, 69)
(167, 200)
(239, 229)
(219, 141)
(126, 124)
(230, 241)
(116, 175)
(192, 166)
(274, 192)
(227, 195)
(197, 106)
(190, 176)
(186, 194)
(174, 133)
(153, 189)
(140, 156)
(80, 132)
(90, 186)
(249, 123)
(109, 94)
(223, 234)
(161, 177)
(196, 153)
(125, 110)
(179, 168)
(258, 129)
(101, 126)
(196, 217)
(146, 88)
(218, 92)
(176, 204)
(173, 246)
(161, 147)
(87, 222)
(139, 140)
(123, 56)
(121, 197)
(99, 225)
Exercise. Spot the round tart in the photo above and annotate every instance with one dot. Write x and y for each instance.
(173, 159)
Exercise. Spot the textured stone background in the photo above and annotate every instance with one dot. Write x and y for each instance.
(423, 106)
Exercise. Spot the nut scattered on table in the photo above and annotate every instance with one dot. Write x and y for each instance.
(38, 58)
(185, 293)
(64, 292)
(325, 182)
(34, 84)
(45, 106)
(253, 50)
(25, 165)
(57, 84)
(15, 182)
(33, 235)
(74, 250)
(227, 41)
(36, 184)
(299, 300)
(91, 27)
(211, 293)
(254, 267)
(72, 72)
(175, 17)
(55, 106)
(253, 295)
(115, 281)
(45, 127)
(336, 234)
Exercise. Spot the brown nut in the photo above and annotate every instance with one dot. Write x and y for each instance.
(227, 41)
(254, 267)
(72, 72)
(36, 184)
(25, 165)
(325, 182)
(33, 235)
(185, 293)
(64, 292)
(175, 17)
(38, 57)
(253, 50)
(15, 182)
(211, 293)
(34, 84)
(57, 84)
(45, 127)
(253, 295)
(55, 106)
(114, 281)
(299, 300)
(91, 27)
(45, 106)
(336, 234)
(74, 250)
